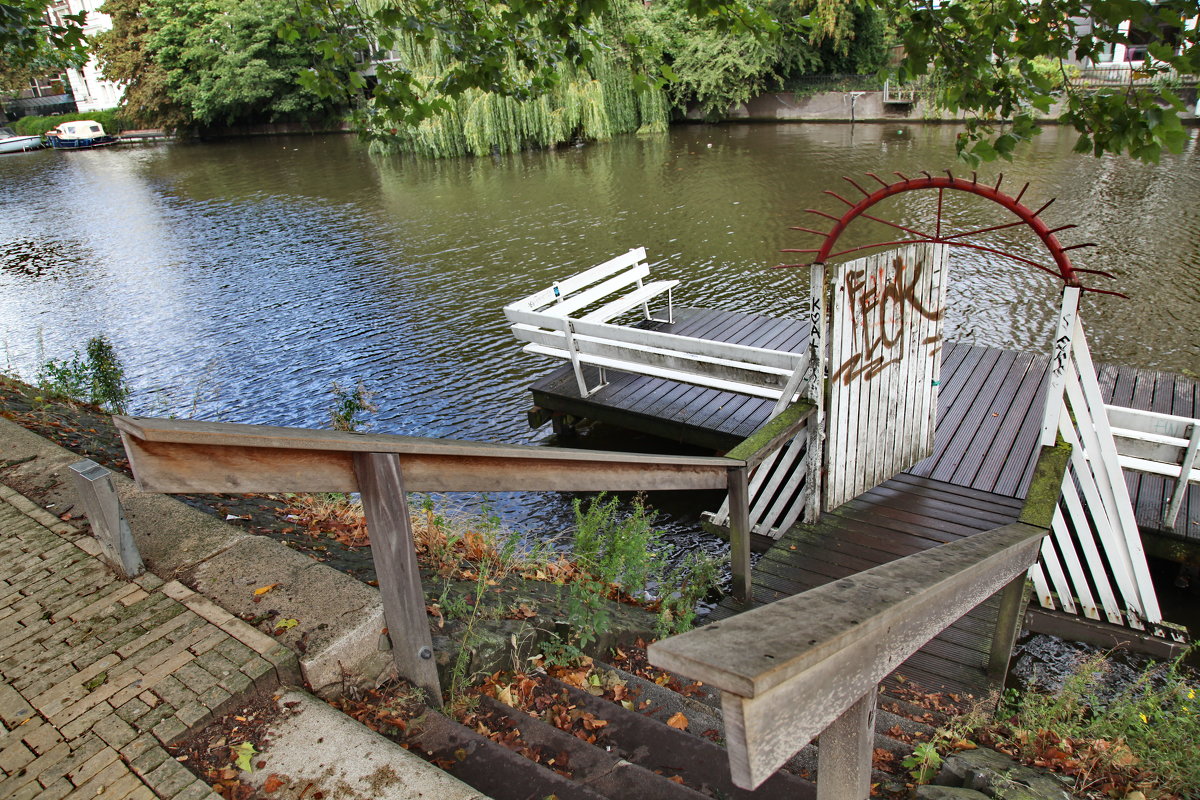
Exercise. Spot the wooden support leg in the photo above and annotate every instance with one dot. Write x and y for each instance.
(388, 523)
(844, 752)
(93, 484)
(739, 533)
(1008, 622)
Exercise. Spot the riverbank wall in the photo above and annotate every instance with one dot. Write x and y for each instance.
(867, 106)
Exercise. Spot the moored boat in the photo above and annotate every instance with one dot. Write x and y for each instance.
(79, 135)
(11, 142)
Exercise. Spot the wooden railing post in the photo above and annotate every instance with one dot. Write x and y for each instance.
(739, 533)
(844, 752)
(93, 484)
(390, 529)
(1008, 623)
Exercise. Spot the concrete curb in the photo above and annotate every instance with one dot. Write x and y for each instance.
(338, 618)
(313, 746)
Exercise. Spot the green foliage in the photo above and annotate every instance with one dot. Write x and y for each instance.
(97, 376)
(1002, 64)
(1149, 728)
(349, 405)
(924, 762)
(107, 387)
(111, 119)
(124, 55)
(624, 552)
(225, 61)
(27, 39)
(594, 100)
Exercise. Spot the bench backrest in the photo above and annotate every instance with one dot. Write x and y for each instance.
(1151, 435)
(570, 295)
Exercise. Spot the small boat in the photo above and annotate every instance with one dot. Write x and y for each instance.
(79, 135)
(11, 142)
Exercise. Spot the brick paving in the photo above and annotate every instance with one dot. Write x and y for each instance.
(98, 673)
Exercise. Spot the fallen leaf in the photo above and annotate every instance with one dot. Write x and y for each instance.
(678, 721)
(284, 624)
(96, 681)
(264, 589)
(243, 753)
(272, 783)
(676, 779)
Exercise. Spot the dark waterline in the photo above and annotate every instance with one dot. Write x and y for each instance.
(239, 279)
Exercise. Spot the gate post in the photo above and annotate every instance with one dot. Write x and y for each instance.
(815, 389)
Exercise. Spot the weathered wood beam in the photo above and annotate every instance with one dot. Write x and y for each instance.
(383, 493)
(188, 456)
(789, 669)
(844, 752)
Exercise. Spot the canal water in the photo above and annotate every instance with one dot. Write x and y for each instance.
(239, 279)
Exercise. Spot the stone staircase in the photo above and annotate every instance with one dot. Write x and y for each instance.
(641, 749)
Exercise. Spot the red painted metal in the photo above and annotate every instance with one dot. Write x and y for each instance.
(1062, 262)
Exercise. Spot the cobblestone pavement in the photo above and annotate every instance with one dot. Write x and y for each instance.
(98, 673)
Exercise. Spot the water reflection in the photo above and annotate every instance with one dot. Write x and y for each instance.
(239, 279)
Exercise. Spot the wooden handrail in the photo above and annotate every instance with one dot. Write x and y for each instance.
(811, 663)
(789, 669)
(191, 456)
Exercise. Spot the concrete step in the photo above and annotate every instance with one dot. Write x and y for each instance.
(314, 748)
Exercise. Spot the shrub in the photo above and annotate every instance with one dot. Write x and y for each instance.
(110, 119)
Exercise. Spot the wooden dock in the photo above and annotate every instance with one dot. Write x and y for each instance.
(985, 448)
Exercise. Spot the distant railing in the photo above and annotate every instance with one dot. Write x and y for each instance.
(810, 664)
(813, 84)
(1125, 73)
(183, 456)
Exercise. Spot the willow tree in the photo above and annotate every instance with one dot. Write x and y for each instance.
(988, 56)
(592, 98)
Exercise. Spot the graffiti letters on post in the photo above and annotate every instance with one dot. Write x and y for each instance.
(886, 307)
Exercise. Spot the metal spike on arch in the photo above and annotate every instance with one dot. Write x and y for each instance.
(1095, 544)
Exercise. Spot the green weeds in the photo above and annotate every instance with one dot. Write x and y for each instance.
(349, 405)
(96, 376)
(1142, 737)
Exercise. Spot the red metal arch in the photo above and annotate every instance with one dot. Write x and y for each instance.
(1063, 268)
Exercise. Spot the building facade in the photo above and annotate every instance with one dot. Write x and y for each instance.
(92, 92)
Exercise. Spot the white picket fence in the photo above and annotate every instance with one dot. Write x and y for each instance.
(1094, 562)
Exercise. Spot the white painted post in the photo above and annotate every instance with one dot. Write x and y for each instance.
(93, 484)
(844, 752)
(1060, 362)
(815, 393)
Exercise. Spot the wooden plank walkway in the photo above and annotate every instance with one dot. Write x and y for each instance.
(902, 516)
(985, 447)
(988, 409)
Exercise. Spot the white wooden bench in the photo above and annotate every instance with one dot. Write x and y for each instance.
(571, 320)
(1159, 444)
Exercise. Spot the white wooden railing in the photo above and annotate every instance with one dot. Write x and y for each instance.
(1158, 444)
(1096, 551)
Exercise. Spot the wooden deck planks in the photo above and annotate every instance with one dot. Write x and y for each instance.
(985, 447)
(901, 516)
(988, 418)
